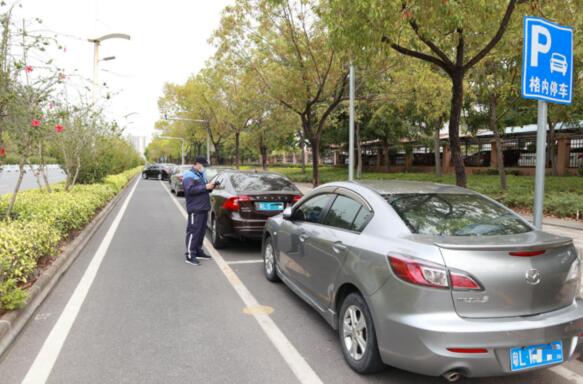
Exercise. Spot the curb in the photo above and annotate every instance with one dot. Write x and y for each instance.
(13, 322)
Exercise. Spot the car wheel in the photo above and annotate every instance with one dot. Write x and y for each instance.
(159, 176)
(216, 238)
(357, 335)
(172, 189)
(144, 176)
(269, 261)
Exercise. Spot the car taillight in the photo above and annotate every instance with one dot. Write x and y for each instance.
(460, 281)
(296, 198)
(468, 350)
(418, 273)
(232, 203)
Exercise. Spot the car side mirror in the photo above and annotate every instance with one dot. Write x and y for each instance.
(287, 213)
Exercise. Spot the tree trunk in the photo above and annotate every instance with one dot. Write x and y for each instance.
(44, 169)
(552, 148)
(303, 154)
(454, 127)
(437, 150)
(36, 175)
(315, 144)
(387, 157)
(237, 153)
(499, 144)
(16, 188)
(358, 152)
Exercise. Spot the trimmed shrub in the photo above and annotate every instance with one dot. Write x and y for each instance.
(39, 223)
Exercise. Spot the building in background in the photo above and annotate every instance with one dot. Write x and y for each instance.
(138, 142)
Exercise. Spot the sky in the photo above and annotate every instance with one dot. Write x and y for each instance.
(169, 42)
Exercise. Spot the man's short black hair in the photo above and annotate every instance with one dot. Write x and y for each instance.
(201, 160)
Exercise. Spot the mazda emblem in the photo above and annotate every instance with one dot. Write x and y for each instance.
(532, 276)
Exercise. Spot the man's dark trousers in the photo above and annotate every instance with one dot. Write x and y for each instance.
(195, 231)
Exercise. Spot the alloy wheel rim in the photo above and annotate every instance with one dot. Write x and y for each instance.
(354, 332)
(159, 176)
(269, 259)
(214, 231)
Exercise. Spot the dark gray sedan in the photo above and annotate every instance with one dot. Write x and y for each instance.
(430, 278)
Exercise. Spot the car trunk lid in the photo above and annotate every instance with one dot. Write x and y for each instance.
(261, 205)
(521, 274)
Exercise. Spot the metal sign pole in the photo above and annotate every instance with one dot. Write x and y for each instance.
(351, 127)
(539, 182)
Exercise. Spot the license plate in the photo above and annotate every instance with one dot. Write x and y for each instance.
(269, 206)
(536, 355)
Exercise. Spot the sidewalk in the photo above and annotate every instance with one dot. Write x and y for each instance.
(552, 225)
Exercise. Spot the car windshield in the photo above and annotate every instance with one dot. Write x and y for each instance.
(446, 214)
(243, 182)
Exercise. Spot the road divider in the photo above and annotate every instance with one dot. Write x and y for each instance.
(295, 361)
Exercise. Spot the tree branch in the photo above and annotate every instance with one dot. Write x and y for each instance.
(419, 55)
(501, 29)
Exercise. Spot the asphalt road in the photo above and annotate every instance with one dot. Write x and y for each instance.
(131, 311)
(8, 179)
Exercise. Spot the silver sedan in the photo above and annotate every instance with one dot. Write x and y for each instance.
(430, 278)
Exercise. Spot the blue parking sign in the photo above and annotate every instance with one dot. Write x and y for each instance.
(547, 61)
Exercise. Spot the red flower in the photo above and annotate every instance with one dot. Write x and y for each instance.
(36, 123)
(59, 128)
(28, 68)
(2, 152)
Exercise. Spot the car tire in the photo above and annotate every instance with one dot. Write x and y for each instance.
(352, 337)
(159, 176)
(216, 238)
(269, 262)
(144, 176)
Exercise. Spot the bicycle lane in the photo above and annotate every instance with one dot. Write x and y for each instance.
(148, 316)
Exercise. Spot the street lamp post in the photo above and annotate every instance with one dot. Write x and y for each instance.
(181, 145)
(208, 131)
(96, 43)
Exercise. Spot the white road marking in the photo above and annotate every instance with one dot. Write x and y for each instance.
(289, 353)
(254, 261)
(567, 374)
(41, 368)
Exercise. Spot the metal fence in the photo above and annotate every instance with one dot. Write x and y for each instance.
(576, 153)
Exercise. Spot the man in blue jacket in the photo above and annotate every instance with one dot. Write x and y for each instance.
(198, 204)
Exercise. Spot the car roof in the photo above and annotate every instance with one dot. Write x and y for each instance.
(390, 187)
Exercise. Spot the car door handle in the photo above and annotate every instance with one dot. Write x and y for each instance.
(303, 237)
(339, 247)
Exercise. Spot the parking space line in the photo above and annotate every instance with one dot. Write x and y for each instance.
(253, 261)
(41, 368)
(301, 369)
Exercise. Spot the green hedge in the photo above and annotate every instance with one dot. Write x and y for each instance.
(40, 222)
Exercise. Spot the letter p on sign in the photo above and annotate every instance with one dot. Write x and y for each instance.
(540, 43)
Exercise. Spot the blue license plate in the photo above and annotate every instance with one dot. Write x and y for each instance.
(269, 206)
(536, 355)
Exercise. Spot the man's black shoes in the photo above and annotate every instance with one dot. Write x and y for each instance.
(192, 262)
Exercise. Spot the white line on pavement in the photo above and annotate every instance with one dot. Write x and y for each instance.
(254, 261)
(290, 354)
(567, 374)
(42, 366)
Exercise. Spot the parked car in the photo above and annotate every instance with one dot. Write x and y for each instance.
(176, 179)
(243, 201)
(430, 278)
(155, 171)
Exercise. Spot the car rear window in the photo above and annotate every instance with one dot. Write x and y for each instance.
(455, 215)
(243, 182)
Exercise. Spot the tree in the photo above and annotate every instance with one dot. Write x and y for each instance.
(453, 36)
(286, 44)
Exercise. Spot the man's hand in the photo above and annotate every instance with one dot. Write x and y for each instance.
(210, 186)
